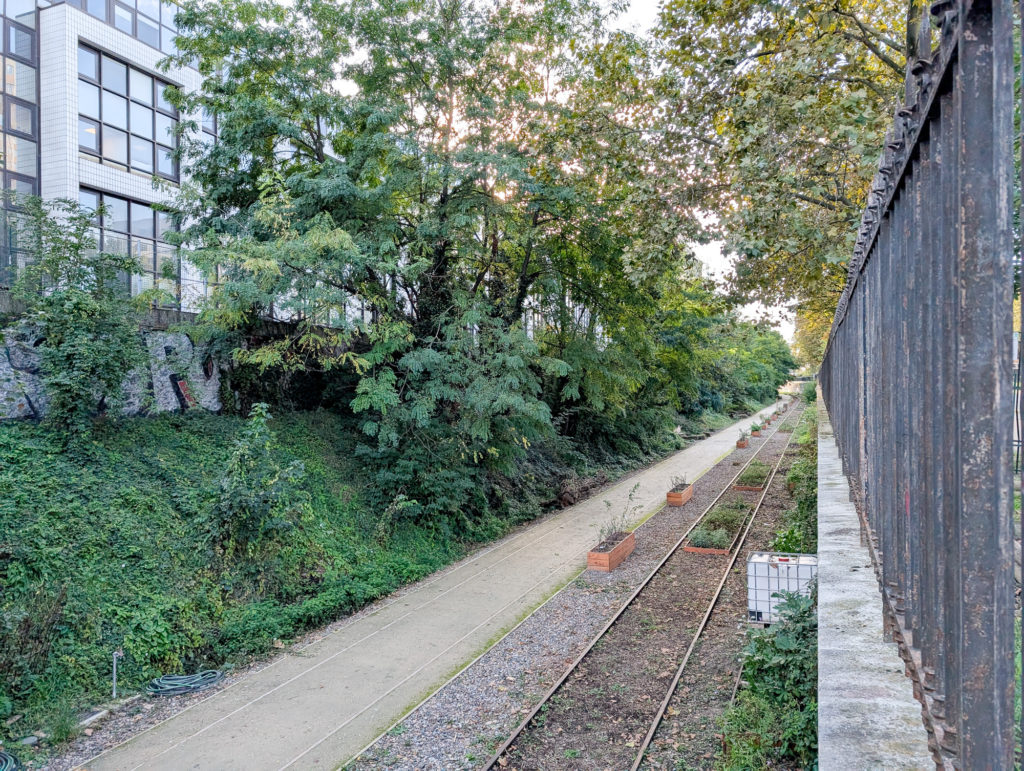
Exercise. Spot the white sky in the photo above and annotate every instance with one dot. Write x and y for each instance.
(640, 18)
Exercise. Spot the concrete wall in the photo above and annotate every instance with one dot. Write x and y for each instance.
(180, 376)
(867, 714)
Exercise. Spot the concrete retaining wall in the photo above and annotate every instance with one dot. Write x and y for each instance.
(867, 714)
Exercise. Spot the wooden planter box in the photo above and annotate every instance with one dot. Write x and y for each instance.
(748, 488)
(607, 557)
(755, 433)
(679, 498)
(704, 550)
(741, 443)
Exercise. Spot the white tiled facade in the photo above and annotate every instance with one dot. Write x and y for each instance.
(63, 168)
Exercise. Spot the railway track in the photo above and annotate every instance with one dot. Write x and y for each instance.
(606, 707)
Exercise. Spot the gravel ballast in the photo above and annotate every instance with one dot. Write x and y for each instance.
(462, 725)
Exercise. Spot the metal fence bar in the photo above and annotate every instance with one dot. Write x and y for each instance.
(917, 379)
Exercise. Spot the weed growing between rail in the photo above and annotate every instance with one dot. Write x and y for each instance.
(775, 717)
(719, 527)
(755, 474)
(799, 533)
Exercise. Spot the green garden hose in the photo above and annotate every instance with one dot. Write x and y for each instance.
(174, 685)
(8, 762)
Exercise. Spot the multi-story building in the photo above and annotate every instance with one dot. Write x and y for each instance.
(85, 117)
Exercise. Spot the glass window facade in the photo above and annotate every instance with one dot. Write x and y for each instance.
(19, 124)
(150, 21)
(136, 228)
(123, 118)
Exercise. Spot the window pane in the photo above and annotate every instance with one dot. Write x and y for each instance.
(168, 12)
(148, 32)
(209, 123)
(149, 7)
(88, 200)
(88, 63)
(88, 135)
(165, 130)
(142, 159)
(97, 8)
(19, 117)
(115, 110)
(115, 145)
(161, 100)
(20, 186)
(142, 220)
(167, 36)
(165, 165)
(22, 11)
(115, 76)
(88, 99)
(142, 87)
(21, 155)
(166, 260)
(19, 42)
(124, 19)
(144, 253)
(142, 120)
(20, 80)
(115, 243)
(164, 224)
(117, 213)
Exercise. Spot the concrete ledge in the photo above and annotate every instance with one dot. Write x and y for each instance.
(867, 714)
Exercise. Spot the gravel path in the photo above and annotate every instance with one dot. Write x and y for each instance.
(464, 722)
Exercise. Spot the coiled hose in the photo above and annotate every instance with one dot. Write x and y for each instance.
(174, 685)
(8, 762)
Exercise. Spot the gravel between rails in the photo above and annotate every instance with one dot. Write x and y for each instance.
(689, 735)
(600, 715)
(463, 723)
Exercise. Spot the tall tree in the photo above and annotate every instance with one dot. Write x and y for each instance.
(783, 109)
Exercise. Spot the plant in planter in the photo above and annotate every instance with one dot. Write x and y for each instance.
(617, 541)
(717, 531)
(681, 492)
(743, 441)
(753, 477)
(755, 429)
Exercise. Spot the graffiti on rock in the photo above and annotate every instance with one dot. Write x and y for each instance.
(181, 376)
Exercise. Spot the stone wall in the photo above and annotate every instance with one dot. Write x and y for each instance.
(180, 376)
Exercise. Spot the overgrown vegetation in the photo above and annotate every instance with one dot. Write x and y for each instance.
(755, 474)
(799, 532)
(455, 281)
(774, 720)
(718, 529)
(481, 258)
(77, 305)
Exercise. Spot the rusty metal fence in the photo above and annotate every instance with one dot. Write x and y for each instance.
(917, 379)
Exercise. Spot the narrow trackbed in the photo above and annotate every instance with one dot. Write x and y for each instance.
(604, 709)
(686, 735)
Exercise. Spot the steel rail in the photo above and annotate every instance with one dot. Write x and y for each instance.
(642, 751)
(493, 760)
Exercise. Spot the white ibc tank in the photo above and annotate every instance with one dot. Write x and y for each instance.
(772, 572)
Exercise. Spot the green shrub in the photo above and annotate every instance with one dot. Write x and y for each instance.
(706, 537)
(799, 531)
(774, 720)
(809, 392)
(719, 527)
(729, 515)
(755, 474)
